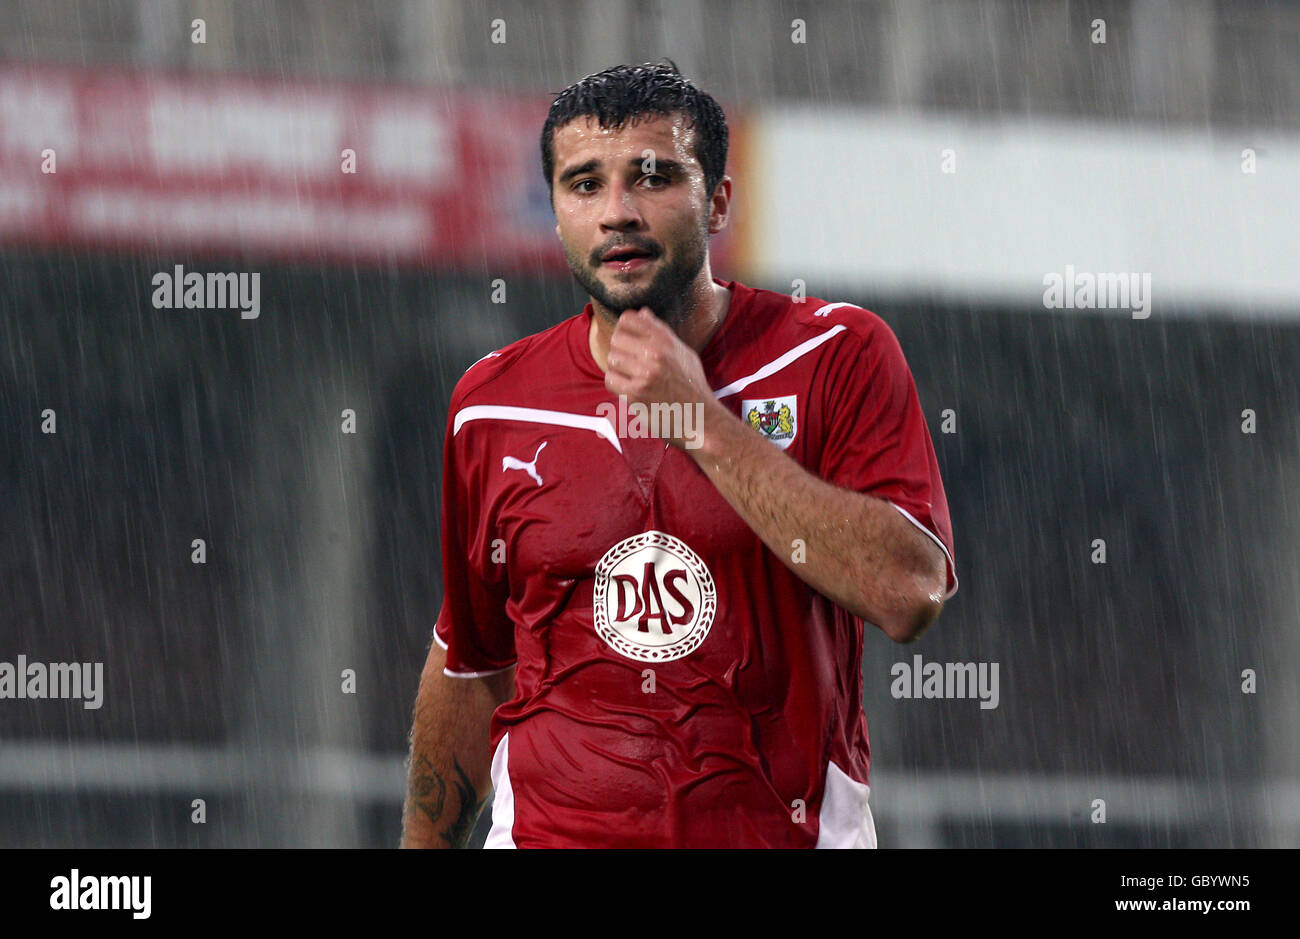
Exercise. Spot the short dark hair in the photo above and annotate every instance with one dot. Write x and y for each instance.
(626, 93)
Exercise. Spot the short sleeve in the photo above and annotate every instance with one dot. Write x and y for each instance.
(876, 439)
(473, 625)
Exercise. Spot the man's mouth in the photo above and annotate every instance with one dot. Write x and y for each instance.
(626, 259)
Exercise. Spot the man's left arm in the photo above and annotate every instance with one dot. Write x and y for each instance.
(858, 550)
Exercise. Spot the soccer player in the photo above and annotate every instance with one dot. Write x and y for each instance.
(656, 641)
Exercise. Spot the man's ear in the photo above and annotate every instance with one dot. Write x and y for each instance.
(720, 206)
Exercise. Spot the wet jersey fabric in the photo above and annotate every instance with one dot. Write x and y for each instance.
(677, 685)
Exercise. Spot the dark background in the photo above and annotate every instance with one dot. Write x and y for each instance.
(174, 425)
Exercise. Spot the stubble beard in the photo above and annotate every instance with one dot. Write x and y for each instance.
(666, 293)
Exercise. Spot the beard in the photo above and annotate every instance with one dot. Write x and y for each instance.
(664, 293)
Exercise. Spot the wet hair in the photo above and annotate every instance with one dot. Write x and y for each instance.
(627, 93)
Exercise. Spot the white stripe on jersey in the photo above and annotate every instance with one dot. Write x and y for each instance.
(501, 412)
(826, 310)
(935, 538)
(603, 427)
(777, 364)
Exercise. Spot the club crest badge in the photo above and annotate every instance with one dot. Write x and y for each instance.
(774, 418)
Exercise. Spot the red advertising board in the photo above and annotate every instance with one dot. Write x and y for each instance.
(256, 166)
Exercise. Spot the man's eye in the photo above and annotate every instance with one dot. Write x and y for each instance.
(663, 181)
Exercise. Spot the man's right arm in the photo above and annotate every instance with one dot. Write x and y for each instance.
(449, 776)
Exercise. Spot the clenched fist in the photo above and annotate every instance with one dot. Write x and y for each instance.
(650, 364)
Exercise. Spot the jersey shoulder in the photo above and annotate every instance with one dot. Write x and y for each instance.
(804, 318)
(515, 363)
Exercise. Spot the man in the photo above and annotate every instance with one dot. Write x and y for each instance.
(656, 641)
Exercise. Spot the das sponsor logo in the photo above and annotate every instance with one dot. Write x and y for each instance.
(654, 598)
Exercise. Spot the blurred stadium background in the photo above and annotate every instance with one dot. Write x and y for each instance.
(930, 161)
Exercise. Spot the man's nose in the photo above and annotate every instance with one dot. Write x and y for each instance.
(620, 208)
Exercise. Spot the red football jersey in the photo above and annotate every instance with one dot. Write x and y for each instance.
(677, 685)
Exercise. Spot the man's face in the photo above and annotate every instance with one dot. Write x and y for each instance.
(638, 188)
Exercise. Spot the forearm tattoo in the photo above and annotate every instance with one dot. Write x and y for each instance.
(429, 795)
